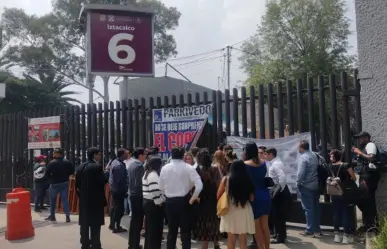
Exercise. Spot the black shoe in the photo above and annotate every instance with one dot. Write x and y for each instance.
(43, 208)
(37, 210)
(120, 230)
(68, 219)
(252, 245)
(277, 241)
(111, 227)
(49, 218)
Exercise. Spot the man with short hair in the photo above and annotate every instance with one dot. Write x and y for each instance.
(135, 173)
(176, 181)
(118, 182)
(308, 186)
(90, 183)
(280, 195)
(369, 176)
(58, 172)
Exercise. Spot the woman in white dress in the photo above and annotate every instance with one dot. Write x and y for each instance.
(239, 219)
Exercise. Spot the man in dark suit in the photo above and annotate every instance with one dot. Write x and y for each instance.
(90, 185)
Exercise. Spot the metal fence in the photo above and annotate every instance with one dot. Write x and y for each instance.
(322, 106)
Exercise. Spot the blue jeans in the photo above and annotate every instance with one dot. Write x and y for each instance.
(127, 205)
(311, 204)
(342, 214)
(63, 190)
(40, 190)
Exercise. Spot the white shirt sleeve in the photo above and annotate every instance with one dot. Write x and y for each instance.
(279, 172)
(195, 180)
(161, 181)
(371, 149)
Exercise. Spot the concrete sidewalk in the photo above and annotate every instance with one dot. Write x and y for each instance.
(61, 235)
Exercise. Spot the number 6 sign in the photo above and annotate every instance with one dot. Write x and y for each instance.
(119, 40)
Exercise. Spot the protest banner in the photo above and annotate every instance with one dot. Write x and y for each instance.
(44, 133)
(287, 151)
(180, 126)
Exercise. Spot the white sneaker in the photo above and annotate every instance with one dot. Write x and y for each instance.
(337, 238)
(347, 239)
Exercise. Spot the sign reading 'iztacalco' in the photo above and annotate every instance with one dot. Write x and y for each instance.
(120, 43)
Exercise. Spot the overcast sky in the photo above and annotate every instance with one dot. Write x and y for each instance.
(204, 26)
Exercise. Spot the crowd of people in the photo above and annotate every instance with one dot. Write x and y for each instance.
(185, 194)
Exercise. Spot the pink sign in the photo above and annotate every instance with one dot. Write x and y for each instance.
(120, 43)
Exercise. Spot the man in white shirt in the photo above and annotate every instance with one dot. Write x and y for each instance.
(176, 181)
(280, 195)
(369, 176)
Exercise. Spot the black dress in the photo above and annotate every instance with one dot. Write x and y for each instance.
(206, 227)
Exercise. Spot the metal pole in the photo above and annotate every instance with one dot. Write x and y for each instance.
(106, 89)
(228, 66)
(90, 83)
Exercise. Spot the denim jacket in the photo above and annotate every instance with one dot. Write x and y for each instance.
(307, 171)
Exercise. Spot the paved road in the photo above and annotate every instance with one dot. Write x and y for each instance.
(63, 235)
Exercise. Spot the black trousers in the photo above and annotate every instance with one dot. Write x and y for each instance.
(90, 237)
(117, 209)
(367, 205)
(280, 206)
(154, 217)
(136, 222)
(179, 214)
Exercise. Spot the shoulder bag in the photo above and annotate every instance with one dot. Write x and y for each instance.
(222, 204)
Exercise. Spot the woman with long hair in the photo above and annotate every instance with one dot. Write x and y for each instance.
(239, 219)
(152, 203)
(261, 205)
(341, 207)
(206, 227)
(220, 162)
(189, 158)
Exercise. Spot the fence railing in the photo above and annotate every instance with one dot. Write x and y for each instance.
(321, 106)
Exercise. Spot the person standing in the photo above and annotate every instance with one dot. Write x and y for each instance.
(340, 206)
(369, 177)
(118, 182)
(239, 220)
(308, 187)
(90, 184)
(281, 197)
(206, 225)
(261, 204)
(176, 181)
(58, 172)
(135, 173)
(128, 162)
(153, 203)
(40, 182)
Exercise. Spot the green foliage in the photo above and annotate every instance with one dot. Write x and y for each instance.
(299, 39)
(29, 93)
(380, 241)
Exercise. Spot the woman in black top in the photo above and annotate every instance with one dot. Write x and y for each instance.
(341, 207)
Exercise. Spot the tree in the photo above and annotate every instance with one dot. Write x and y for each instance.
(28, 93)
(55, 41)
(300, 39)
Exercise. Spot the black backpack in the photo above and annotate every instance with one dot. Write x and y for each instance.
(381, 159)
(322, 173)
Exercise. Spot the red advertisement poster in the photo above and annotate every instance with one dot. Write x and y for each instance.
(44, 133)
